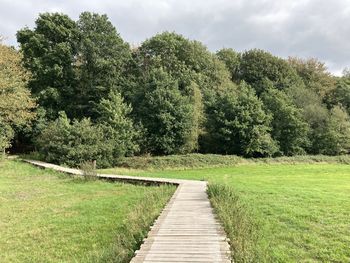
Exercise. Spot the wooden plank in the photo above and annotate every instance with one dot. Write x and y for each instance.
(186, 231)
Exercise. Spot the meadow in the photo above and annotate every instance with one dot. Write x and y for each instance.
(286, 211)
(52, 217)
(77, 93)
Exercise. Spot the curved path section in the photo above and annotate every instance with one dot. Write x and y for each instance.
(186, 230)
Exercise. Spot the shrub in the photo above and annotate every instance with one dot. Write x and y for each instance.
(73, 143)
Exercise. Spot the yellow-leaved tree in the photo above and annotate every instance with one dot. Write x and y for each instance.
(16, 104)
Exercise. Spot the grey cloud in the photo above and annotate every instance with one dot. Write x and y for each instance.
(304, 28)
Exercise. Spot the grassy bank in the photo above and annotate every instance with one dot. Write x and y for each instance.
(52, 217)
(278, 211)
(189, 161)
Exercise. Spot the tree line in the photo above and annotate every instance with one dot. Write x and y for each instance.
(76, 91)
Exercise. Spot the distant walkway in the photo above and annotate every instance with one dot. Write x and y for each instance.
(185, 231)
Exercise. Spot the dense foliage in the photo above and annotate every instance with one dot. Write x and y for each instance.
(16, 104)
(73, 143)
(239, 125)
(289, 129)
(171, 95)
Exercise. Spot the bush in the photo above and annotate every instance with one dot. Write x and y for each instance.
(73, 143)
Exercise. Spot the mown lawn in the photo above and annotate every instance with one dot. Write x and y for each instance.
(278, 212)
(46, 216)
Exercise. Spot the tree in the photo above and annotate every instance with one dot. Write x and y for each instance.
(198, 73)
(16, 104)
(184, 60)
(113, 115)
(168, 116)
(49, 53)
(74, 64)
(341, 94)
(328, 128)
(238, 124)
(257, 66)
(334, 137)
(289, 128)
(313, 111)
(314, 75)
(232, 61)
(102, 57)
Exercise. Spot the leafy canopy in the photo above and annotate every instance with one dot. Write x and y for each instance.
(16, 104)
(257, 66)
(239, 125)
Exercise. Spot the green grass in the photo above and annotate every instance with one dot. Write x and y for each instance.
(46, 216)
(190, 161)
(278, 212)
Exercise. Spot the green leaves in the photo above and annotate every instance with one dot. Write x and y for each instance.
(167, 115)
(238, 124)
(111, 138)
(73, 143)
(333, 138)
(258, 66)
(289, 128)
(78, 62)
(102, 57)
(179, 96)
(232, 61)
(114, 116)
(49, 54)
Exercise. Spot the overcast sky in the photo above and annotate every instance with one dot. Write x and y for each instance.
(304, 28)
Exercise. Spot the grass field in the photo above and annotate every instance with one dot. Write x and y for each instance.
(277, 212)
(51, 217)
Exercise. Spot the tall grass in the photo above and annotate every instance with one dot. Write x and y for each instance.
(136, 227)
(310, 159)
(196, 160)
(89, 170)
(242, 228)
(183, 161)
(190, 161)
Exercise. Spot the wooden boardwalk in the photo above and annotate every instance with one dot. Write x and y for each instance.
(185, 231)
